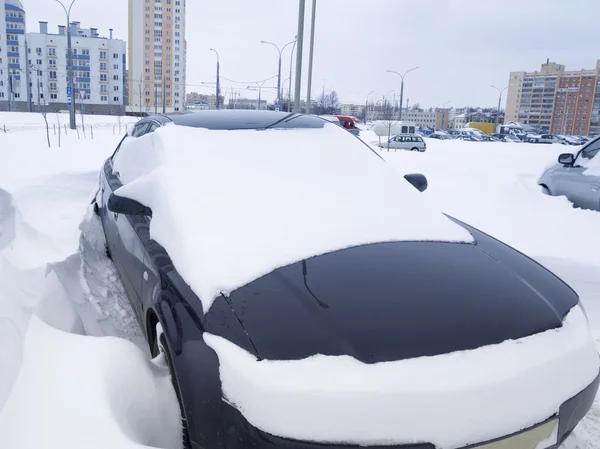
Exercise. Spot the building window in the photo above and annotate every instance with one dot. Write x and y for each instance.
(115, 98)
(116, 77)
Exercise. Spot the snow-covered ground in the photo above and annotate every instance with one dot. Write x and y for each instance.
(61, 386)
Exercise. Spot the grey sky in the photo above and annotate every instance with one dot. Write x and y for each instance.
(462, 46)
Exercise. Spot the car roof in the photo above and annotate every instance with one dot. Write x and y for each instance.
(240, 119)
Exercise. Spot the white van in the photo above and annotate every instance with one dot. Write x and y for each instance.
(391, 128)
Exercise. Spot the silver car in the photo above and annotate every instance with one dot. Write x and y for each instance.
(567, 177)
(409, 142)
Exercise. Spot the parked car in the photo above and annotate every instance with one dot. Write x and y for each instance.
(569, 178)
(512, 138)
(415, 330)
(411, 142)
(440, 136)
(551, 138)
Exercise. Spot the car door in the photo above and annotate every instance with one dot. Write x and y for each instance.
(126, 250)
(583, 190)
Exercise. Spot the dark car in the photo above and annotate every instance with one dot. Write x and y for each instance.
(391, 302)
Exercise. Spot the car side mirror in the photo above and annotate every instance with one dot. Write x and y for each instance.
(127, 206)
(566, 159)
(418, 181)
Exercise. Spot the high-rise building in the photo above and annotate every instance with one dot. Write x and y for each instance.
(157, 55)
(556, 100)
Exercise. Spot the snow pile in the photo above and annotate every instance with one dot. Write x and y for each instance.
(59, 390)
(592, 166)
(493, 186)
(231, 206)
(449, 400)
(83, 392)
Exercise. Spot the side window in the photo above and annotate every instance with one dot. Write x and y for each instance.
(592, 150)
(153, 127)
(140, 129)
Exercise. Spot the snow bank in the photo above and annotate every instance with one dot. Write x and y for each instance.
(593, 166)
(449, 400)
(84, 392)
(231, 206)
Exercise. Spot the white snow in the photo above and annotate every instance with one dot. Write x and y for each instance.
(44, 194)
(231, 206)
(450, 400)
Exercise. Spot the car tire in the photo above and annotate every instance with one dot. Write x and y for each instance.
(162, 347)
(545, 190)
(414, 149)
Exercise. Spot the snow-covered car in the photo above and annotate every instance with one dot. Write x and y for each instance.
(576, 176)
(440, 136)
(305, 295)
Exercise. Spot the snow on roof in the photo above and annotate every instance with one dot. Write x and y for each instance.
(232, 206)
(450, 400)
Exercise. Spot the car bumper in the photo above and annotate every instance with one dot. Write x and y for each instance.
(242, 435)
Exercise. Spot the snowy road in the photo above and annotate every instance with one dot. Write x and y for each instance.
(59, 292)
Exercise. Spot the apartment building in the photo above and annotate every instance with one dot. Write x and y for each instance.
(352, 110)
(157, 55)
(12, 53)
(194, 98)
(556, 100)
(33, 67)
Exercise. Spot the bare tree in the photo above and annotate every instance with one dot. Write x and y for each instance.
(389, 118)
(328, 103)
(43, 108)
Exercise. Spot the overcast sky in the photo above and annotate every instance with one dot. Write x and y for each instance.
(461, 46)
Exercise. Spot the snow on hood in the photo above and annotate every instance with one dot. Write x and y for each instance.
(232, 206)
(449, 400)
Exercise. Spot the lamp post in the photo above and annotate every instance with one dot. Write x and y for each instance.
(444, 112)
(367, 105)
(500, 92)
(280, 51)
(402, 88)
(217, 100)
(290, 83)
(300, 40)
(72, 118)
(311, 53)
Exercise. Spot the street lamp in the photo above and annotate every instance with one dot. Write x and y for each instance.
(402, 87)
(280, 51)
(291, 67)
(443, 112)
(500, 92)
(217, 101)
(72, 119)
(367, 104)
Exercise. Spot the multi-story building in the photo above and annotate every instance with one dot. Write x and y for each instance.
(157, 55)
(556, 100)
(194, 98)
(99, 70)
(33, 71)
(13, 86)
(352, 110)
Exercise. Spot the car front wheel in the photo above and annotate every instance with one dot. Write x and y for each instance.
(160, 346)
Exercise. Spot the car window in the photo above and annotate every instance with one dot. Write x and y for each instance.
(140, 129)
(591, 150)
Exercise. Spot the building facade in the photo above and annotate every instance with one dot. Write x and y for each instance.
(157, 55)
(352, 110)
(556, 100)
(194, 98)
(13, 86)
(33, 67)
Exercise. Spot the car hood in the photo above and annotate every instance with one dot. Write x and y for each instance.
(399, 300)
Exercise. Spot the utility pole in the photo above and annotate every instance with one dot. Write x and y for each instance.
(280, 51)
(500, 92)
(217, 100)
(367, 106)
(10, 91)
(310, 58)
(402, 89)
(27, 77)
(72, 117)
(290, 84)
(164, 88)
(298, 89)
